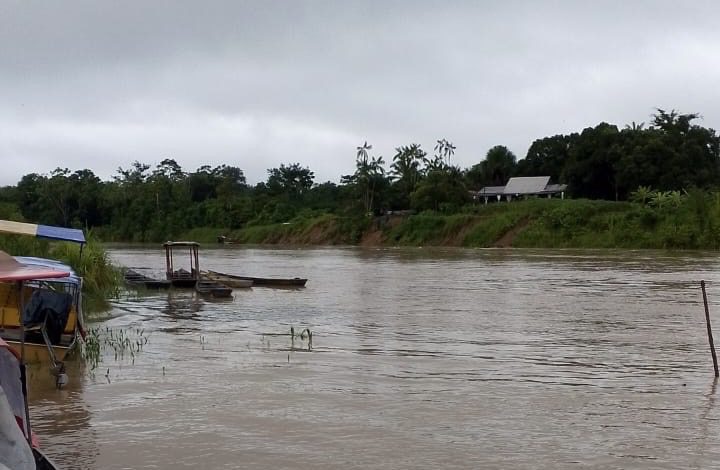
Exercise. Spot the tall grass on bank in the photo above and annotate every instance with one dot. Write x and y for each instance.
(101, 280)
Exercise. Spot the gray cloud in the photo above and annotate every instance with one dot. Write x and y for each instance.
(255, 84)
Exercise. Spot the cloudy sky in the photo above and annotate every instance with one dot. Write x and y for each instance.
(98, 84)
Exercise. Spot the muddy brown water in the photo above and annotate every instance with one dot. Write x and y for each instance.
(421, 358)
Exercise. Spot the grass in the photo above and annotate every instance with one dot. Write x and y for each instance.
(101, 279)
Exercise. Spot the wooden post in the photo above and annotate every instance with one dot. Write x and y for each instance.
(709, 329)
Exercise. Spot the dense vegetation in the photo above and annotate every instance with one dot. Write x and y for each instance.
(663, 174)
(101, 280)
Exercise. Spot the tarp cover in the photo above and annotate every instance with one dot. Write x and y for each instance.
(50, 307)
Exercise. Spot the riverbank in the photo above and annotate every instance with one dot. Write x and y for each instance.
(690, 223)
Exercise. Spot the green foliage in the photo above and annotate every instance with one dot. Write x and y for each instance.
(21, 245)
(145, 204)
(441, 190)
(491, 229)
(497, 168)
(101, 280)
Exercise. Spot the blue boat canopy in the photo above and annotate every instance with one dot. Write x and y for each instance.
(43, 231)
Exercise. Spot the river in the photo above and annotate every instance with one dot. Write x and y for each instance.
(420, 359)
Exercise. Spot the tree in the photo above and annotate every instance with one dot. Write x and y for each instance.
(593, 159)
(444, 149)
(441, 190)
(88, 200)
(203, 184)
(369, 175)
(499, 165)
(292, 180)
(58, 192)
(406, 169)
(547, 157)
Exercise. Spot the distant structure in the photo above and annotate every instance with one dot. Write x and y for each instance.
(521, 186)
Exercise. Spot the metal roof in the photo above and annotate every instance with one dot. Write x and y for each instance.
(527, 185)
(522, 185)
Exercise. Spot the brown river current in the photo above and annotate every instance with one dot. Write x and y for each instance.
(421, 359)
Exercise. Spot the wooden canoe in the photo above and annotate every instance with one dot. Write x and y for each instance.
(137, 279)
(234, 283)
(262, 281)
(212, 288)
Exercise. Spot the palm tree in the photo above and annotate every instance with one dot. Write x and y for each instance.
(368, 170)
(445, 149)
(375, 171)
(406, 165)
(362, 153)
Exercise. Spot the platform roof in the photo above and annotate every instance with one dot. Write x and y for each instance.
(43, 231)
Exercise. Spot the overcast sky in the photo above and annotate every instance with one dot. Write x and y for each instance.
(98, 84)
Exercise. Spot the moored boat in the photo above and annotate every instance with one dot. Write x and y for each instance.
(50, 321)
(261, 281)
(19, 450)
(135, 278)
(228, 281)
(53, 308)
(212, 288)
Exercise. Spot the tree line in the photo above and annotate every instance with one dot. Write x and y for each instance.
(141, 203)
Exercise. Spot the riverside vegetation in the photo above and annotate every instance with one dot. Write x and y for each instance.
(101, 280)
(641, 186)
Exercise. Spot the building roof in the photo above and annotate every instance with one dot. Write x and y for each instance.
(527, 185)
(491, 191)
(522, 186)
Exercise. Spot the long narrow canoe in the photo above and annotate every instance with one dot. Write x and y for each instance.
(261, 281)
(137, 279)
(228, 281)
